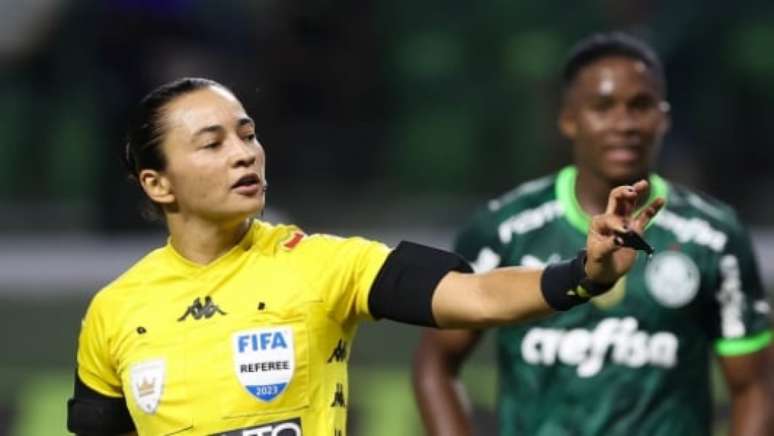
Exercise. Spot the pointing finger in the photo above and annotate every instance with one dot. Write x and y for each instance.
(647, 214)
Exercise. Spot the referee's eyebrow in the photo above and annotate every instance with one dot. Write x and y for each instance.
(244, 121)
(217, 128)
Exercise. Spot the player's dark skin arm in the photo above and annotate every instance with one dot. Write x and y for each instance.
(749, 380)
(437, 388)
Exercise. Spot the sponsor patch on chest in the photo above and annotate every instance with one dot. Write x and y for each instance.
(264, 361)
(147, 380)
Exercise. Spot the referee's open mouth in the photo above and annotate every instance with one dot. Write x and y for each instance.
(249, 184)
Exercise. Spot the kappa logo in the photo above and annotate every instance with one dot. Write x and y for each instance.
(338, 397)
(339, 353)
(290, 427)
(147, 379)
(264, 360)
(198, 310)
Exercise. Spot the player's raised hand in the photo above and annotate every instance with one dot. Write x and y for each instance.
(607, 259)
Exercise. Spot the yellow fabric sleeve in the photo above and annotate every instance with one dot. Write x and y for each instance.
(95, 365)
(345, 270)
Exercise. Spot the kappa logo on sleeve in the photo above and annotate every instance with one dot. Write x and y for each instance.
(264, 360)
(290, 427)
(339, 353)
(147, 379)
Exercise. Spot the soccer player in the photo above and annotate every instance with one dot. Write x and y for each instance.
(240, 327)
(636, 360)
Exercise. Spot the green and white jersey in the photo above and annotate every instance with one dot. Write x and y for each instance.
(634, 361)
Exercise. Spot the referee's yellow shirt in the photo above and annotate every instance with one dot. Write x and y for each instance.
(255, 343)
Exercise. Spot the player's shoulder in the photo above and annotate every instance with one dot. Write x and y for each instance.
(694, 204)
(693, 216)
(530, 195)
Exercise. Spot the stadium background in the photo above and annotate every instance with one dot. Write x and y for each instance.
(387, 119)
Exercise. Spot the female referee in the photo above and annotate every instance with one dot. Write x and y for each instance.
(240, 327)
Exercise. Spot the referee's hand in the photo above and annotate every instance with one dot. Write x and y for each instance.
(606, 257)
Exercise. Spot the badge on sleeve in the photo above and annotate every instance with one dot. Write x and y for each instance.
(147, 380)
(264, 360)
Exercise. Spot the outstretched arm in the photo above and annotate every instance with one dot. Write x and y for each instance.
(513, 294)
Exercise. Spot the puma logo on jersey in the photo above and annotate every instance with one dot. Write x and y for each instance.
(731, 298)
(588, 350)
(693, 230)
(198, 310)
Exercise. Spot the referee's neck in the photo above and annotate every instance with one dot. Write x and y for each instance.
(201, 241)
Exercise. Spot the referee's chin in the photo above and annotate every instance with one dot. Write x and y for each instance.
(252, 207)
(235, 215)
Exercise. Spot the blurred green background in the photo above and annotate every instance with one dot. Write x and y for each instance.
(387, 119)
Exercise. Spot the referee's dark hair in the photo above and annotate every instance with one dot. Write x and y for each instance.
(603, 45)
(146, 130)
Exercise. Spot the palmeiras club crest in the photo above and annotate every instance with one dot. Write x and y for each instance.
(673, 279)
(264, 360)
(147, 380)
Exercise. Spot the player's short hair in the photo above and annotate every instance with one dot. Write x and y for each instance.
(610, 44)
(142, 149)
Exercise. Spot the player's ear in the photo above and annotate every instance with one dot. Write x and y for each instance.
(566, 122)
(157, 186)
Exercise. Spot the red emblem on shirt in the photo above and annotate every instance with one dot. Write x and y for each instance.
(293, 240)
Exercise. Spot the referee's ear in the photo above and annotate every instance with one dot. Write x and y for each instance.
(157, 186)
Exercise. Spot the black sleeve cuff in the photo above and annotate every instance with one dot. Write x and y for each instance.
(403, 289)
(90, 413)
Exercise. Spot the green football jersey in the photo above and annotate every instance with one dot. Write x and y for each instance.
(636, 360)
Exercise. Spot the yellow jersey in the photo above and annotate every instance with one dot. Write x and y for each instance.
(254, 343)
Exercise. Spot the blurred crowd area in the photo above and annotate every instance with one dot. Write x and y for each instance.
(360, 103)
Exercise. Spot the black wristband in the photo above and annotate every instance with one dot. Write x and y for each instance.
(565, 285)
